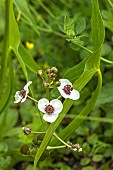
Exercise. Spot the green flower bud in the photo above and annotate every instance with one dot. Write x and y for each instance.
(25, 149)
(38, 139)
(48, 71)
(52, 76)
(40, 73)
(54, 70)
(57, 83)
(41, 136)
(45, 154)
(46, 84)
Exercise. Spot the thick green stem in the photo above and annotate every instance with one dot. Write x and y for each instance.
(5, 46)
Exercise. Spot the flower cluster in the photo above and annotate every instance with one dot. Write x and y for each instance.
(51, 109)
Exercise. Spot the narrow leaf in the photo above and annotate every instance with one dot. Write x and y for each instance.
(6, 96)
(75, 72)
(97, 25)
(23, 7)
(28, 59)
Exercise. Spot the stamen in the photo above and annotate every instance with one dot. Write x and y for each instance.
(22, 93)
(49, 109)
(67, 89)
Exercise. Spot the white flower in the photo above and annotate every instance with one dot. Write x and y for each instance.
(51, 109)
(80, 149)
(20, 96)
(67, 91)
(74, 149)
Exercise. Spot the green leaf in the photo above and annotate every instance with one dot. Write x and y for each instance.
(28, 59)
(97, 158)
(97, 26)
(85, 161)
(21, 63)
(80, 26)
(106, 95)
(69, 26)
(108, 18)
(106, 49)
(14, 37)
(91, 66)
(74, 72)
(23, 7)
(88, 168)
(10, 42)
(6, 95)
(4, 59)
(86, 147)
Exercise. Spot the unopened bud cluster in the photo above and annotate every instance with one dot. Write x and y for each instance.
(48, 77)
(75, 147)
(31, 149)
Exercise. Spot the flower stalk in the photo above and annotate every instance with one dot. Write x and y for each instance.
(55, 147)
(32, 99)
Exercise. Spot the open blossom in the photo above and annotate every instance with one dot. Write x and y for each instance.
(51, 109)
(20, 96)
(67, 91)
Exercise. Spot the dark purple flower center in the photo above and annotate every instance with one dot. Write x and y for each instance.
(67, 89)
(49, 109)
(22, 93)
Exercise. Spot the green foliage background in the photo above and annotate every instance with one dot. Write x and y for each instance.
(76, 37)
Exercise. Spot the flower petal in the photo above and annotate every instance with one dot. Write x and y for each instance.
(64, 82)
(74, 95)
(18, 98)
(50, 118)
(57, 104)
(42, 104)
(26, 86)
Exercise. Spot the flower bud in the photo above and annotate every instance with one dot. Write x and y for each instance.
(38, 139)
(36, 142)
(40, 136)
(40, 73)
(46, 84)
(45, 154)
(48, 71)
(54, 70)
(57, 83)
(52, 76)
(25, 149)
(26, 130)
